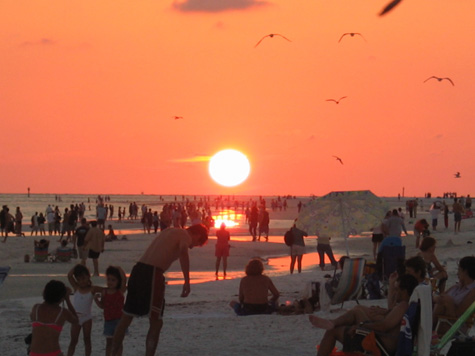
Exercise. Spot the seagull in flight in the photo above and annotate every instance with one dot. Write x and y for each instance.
(352, 34)
(177, 117)
(457, 175)
(389, 7)
(338, 159)
(271, 35)
(440, 79)
(337, 101)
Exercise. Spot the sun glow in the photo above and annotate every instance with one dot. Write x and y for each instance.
(229, 167)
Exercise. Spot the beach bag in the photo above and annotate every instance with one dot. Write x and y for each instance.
(289, 238)
(372, 286)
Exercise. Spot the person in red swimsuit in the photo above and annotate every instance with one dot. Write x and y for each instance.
(48, 319)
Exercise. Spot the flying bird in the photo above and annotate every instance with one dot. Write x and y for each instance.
(271, 35)
(457, 175)
(440, 79)
(352, 34)
(389, 7)
(337, 101)
(338, 159)
(178, 117)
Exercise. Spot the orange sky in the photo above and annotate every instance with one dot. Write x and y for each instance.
(89, 88)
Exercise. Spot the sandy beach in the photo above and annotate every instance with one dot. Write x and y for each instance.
(203, 323)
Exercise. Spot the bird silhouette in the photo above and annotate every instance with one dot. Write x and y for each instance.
(338, 159)
(352, 34)
(177, 117)
(389, 7)
(440, 79)
(457, 175)
(337, 101)
(271, 35)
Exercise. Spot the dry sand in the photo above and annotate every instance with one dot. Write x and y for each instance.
(203, 323)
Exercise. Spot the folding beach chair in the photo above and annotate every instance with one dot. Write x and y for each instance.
(454, 330)
(423, 335)
(351, 281)
(41, 254)
(63, 255)
(4, 273)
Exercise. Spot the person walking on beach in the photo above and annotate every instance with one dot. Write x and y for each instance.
(395, 225)
(7, 222)
(222, 248)
(458, 210)
(146, 286)
(18, 222)
(264, 221)
(297, 250)
(434, 213)
(253, 220)
(324, 248)
(94, 242)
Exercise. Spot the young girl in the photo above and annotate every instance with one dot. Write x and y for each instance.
(84, 292)
(48, 319)
(111, 299)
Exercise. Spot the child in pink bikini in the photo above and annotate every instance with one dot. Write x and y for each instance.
(111, 300)
(84, 291)
(48, 319)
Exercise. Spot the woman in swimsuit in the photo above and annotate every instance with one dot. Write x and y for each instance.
(48, 319)
(434, 268)
(84, 291)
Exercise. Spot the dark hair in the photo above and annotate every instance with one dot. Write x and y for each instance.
(427, 243)
(408, 283)
(54, 292)
(81, 270)
(201, 231)
(254, 267)
(114, 271)
(395, 213)
(417, 264)
(468, 264)
(424, 222)
(93, 223)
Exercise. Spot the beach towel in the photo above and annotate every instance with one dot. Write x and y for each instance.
(423, 294)
(409, 325)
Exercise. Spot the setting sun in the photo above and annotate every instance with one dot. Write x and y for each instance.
(229, 167)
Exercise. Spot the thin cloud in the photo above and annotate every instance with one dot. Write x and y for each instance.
(216, 5)
(191, 159)
(41, 42)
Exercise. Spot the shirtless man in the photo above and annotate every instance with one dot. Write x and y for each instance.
(343, 328)
(146, 285)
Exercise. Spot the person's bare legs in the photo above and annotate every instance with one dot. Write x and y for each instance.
(119, 334)
(292, 263)
(351, 317)
(218, 262)
(86, 333)
(329, 340)
(299, 263)
(153, 337)
(225, 264)
(95, 262)
(75, 330)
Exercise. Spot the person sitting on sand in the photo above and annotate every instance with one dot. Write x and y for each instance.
(343, 328)
(253, 292)
(434, 268)
(111, 236)
(48, 319)
(458, 298)
(421, 229)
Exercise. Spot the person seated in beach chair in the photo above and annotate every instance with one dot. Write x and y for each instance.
(63, 253)
(41, 250)
(253, 292)
(435, 270)
(454, 302)
(343, 328)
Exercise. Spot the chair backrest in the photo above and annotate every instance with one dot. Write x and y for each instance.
(450, 334)
(4, 273)
(350, 281)
(391, 258)
(64, 254)
(41, 254)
